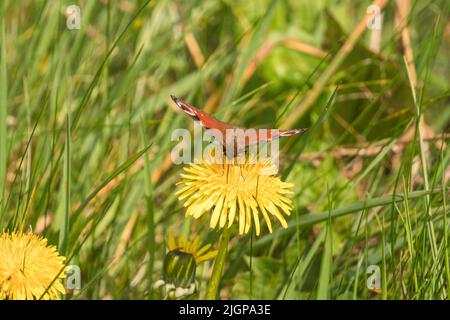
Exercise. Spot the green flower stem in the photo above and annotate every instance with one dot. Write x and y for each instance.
(214, 283)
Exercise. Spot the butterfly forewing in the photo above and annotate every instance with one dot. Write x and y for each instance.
(232, 135)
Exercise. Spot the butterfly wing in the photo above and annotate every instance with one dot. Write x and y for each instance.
(267, 135)
(209, 122)
(206, 121)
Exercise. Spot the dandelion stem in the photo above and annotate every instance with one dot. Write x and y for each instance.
(214, 283)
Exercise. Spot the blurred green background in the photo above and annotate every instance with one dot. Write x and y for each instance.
(86, 119)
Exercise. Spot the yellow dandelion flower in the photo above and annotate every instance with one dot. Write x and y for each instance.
(28, 266)
(235, 192)
(191, 247)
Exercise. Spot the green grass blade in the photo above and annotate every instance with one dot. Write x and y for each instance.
(323, 289)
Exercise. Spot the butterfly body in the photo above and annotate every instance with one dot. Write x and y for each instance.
(230, 134)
